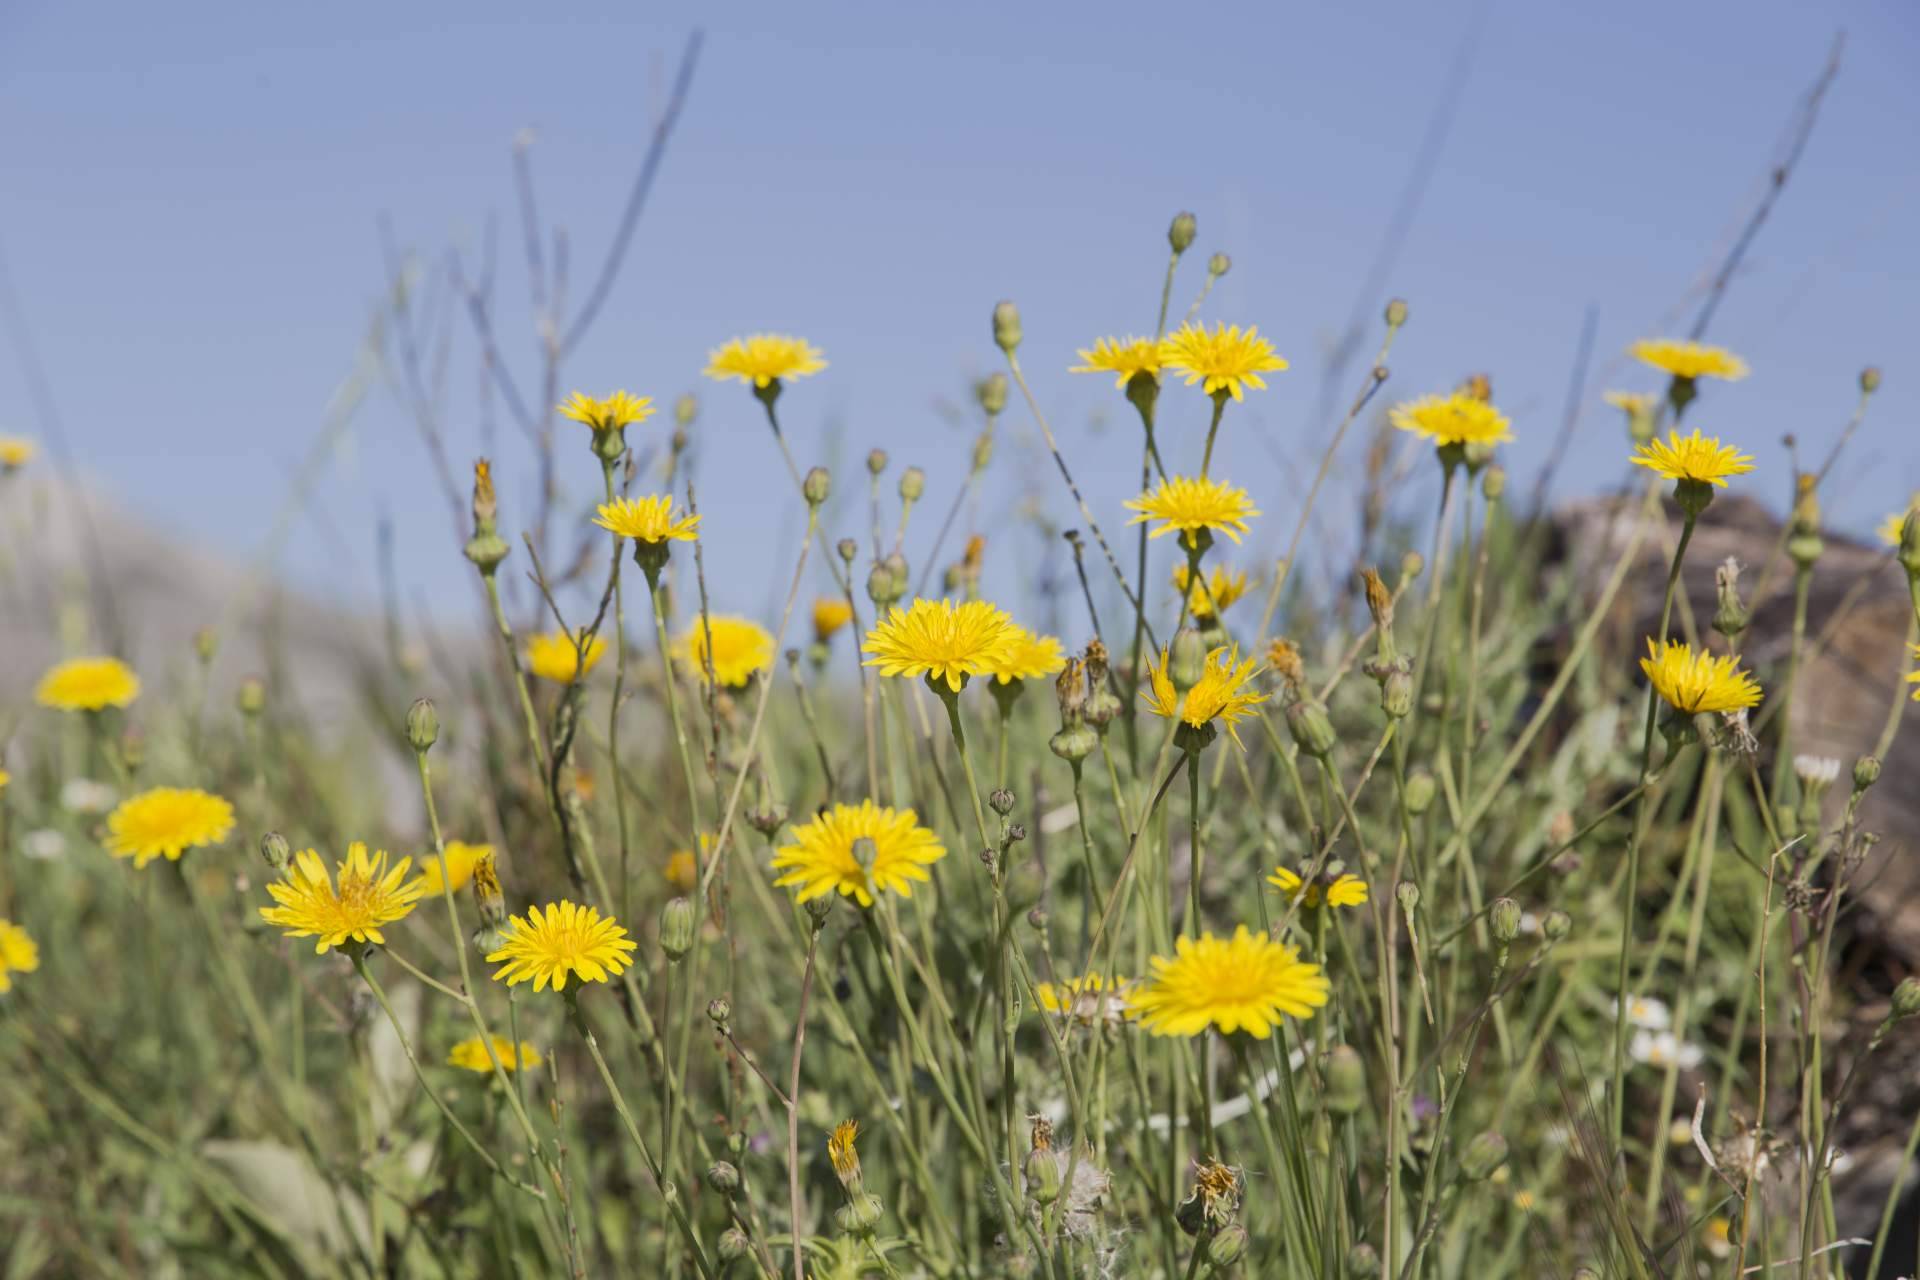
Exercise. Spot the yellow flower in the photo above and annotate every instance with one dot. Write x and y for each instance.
(370, 893)
(554, 655)
(16, 452)
(846, 1160)
(1222, 587)
(1686, 359)
(18, 954)
(940, 640)
(1220, 694)
(1343, 890)
(1187, 505)
(1719, 1237)
(1894, 527)
(1026, 656)
(858, 850)
(1226, 358)
(764, 359)
(1695, 682)
(5, 778)
(88, 684)
(1632, 403)
(829, 615)
(1243, 983)
(648, 519)
(682, 872)
(614, 413)
(166, 821)
(1458, 418)
(1123, 357)
(1698, 458)
(740, 648)
(462, 858)
(566, 939)
(471, 1055)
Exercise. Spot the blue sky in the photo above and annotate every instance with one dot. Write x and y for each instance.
(192, 196)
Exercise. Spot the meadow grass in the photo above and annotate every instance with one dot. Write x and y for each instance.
(1421, 926)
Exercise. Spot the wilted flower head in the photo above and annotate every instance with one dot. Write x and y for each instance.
(1213, 594)
(1220, 694)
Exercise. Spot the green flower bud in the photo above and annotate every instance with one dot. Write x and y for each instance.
(1909, 556)
(720, 1012)
(982, 451)
(880, 585)
(1730, 618)
(423, 724)
(1363, 1262)
(733, 1245)
(1001, 801)
(206, 643)
(1006, 326)
(1075, 742)
(686, 409)
(251, 697)
(1421, 789)
(1485, 1153)
(724, 1178)
(1493, 483)
(913, 483)
(1556, 925)
(1692, 496)
(877, 461)
(848, 549)
(1218, 265)
(274, 848)
(1412, 565)
(1187, 659)
(818, 909)
(1869, 379)
(1346, 1090)
(896, 565)
(991, 392)
(1504, 917)
(1228, 1246)
(816, 486)
(1043, 1176)
(1906, 998)
(1180, 235)
(676, 929)
(1407, 893)
(1311, 727)
(1866, 772)
(1396, 312)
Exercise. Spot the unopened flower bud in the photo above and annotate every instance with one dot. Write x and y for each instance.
(913, 483)
(206, 643)
(676, 928)
(1396, 312)
(816, 486)
(1866, 772)
(720, 1012)
(1076, 742)
(1493, 483)
(1346, 1081)
(1407, 893)
(1396, 691)
(423, 724)
(251, 696)
(876, 461)
(1906, 998)
(1870, 379)
(1218, 265)
(1485, 1153)
(880, 585)
(1000, 800)
(1312, 728)
(991, 392)
(1228, 1246)
(1909, 556)
(848, 549)
(724, 1178)
(982, 451)
(1187, 659)
(1421, 789)
(1363, 1262)
(1556, 926)
(274, 848)
(1006, 326)
(767, 819)
(897, 566)
(1180, 235)
(686, 409)
(1504, 918)
(1043, 1176)
(733, 1245)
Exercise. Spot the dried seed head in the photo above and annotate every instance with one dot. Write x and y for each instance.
(1379, 599)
